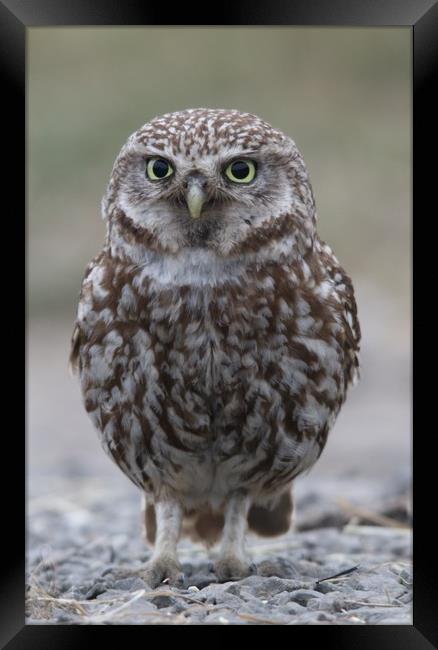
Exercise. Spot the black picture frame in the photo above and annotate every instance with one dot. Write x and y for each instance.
(421, 16)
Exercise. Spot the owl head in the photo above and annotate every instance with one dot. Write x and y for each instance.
(213, 179)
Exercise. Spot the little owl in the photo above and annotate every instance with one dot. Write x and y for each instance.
(216, 334)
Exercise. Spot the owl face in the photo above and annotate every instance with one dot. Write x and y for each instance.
(206, 178)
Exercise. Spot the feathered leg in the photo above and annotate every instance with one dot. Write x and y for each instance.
(164, 561)
(232, 562)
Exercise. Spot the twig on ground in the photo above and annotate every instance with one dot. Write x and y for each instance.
(358, 602)
(174, 594)
(264, 621)
(369, 515)
(338, 575)
(117, 610)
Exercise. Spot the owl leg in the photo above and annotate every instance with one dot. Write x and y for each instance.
(164, 561)
(232, 562)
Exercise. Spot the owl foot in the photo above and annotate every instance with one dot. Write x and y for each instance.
(231, 567)
(163, 568)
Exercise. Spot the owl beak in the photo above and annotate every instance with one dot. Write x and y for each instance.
(195, 197)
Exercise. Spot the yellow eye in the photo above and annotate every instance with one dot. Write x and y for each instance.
(158, 168)
(241, 171)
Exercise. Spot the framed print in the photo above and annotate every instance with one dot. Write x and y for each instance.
(218, 225)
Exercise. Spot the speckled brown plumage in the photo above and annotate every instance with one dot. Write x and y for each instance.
(214, 353)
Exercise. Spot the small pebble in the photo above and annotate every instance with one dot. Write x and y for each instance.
(302, 596)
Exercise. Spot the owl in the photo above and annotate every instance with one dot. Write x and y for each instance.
(216, 335)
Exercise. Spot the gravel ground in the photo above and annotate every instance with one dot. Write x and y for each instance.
(86, 548)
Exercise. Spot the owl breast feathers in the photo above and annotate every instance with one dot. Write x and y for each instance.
(216, 334)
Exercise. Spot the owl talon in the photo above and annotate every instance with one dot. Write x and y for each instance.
(233, 568)
(160, 569)
(253, 568)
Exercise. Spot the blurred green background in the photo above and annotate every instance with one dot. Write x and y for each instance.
(344, 96)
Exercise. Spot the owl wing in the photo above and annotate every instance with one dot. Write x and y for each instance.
(344, 291)
(76, 338)
(74, 349)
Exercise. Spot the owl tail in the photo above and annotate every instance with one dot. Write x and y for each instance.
(202, 526)
(267, 519)
(271, 519)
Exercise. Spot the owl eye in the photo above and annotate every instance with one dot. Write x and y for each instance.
(158, 168)
(241, 171)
